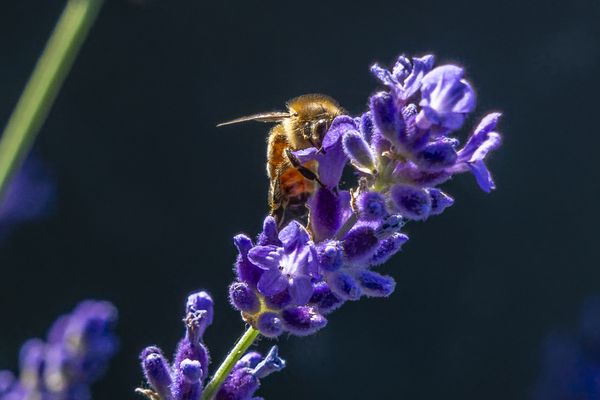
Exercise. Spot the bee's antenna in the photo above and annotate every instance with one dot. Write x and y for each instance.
(275, 116)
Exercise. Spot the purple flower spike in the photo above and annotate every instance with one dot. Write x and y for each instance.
(371, 206)
(359, 152)
(271, 363)
(302, 321)
(157, 372)
(412, 202)
(439, 201)
(388, 247)
(344, 286)
(376, 285)
(243, 298)
(187, 385)
(269, 324)
(445, 98)
(359, 244)
(289, 267)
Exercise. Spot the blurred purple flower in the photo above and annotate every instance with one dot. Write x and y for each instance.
(29, 195)
(76, 353)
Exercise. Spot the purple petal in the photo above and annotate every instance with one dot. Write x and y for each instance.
(300, 290)
(421, 66)
(265, 257)
(383, 75)
(483, 139)
(483, 176)
(446, 96)
(293, 236)
(439, 201)
(272, 282)
(402, 68)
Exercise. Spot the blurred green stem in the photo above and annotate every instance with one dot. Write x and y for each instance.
(44, 84)
(225, 368)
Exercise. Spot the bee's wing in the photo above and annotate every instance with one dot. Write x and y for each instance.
(275, 116)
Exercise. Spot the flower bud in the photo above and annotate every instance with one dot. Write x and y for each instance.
(157, 372)
(269, 324)
(371, 206)
(374, 284)
(302, 320)
(359, 244)
(243, 298)
(412, 202)
(344, 286)
(359, 152)
(324, 299)
(388, 247)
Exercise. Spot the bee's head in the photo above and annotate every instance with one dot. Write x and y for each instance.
(311, 117)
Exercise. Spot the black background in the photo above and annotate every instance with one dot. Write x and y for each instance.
(150, 192)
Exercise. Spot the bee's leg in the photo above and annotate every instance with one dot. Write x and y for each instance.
(307, 173)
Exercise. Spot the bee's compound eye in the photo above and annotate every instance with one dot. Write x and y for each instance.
(307, 131)
(320, 129)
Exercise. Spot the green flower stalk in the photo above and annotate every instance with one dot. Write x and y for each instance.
(44, 84)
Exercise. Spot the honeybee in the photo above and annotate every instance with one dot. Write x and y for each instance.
(303, 125)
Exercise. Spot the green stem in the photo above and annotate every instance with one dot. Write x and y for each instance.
(225, 368)
(44, 84)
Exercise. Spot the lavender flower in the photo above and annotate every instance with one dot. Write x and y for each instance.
(76, 353)
(401, 150)
(185, 377)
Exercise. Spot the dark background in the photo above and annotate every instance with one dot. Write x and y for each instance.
(150, 192)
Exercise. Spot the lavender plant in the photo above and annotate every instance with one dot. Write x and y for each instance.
(75, 354)
(288, 280)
